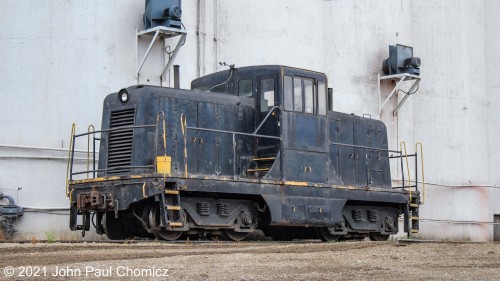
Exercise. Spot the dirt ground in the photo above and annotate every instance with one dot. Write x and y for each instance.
(251, 261)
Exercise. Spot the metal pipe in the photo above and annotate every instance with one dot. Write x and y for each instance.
(28, 208)
(365, 147)
(114, 168)
(203, 35)
(216, 35)
(176, 77)
(8, 197)
(81, 160)
(460, 222)
(454, 185)
(229, 132)
(70, 160)
(38, 148)
(119, 129)
(198, 39)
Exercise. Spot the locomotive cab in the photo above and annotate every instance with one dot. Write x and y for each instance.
(291, 104)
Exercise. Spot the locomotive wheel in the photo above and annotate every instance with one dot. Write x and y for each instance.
(145, 218)
(325, 235)
(231, 235)
(112, 228)
(154, 223)
(378, 236)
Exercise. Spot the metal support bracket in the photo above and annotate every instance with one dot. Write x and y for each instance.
(401, 79)
(158, 32)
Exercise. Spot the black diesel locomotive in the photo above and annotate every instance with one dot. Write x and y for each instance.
(245, 149)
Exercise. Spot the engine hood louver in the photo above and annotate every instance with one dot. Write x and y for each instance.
(120, 141)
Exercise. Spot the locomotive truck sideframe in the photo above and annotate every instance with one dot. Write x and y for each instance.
(252, 148)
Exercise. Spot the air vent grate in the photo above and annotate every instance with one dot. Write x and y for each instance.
(120, 141)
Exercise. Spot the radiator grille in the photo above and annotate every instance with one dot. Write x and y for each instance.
(120, 141)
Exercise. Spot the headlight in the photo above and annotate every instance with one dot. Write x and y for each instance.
(123, 96)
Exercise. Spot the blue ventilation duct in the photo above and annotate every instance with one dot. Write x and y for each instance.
(401, 60)
(163, 13)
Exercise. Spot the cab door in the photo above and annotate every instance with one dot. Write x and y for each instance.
(266, 99)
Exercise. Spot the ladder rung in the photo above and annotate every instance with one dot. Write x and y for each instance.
(175, 224)
(258, 170)
(414, 230)
(264, 159)
(414, 205)
(173, 192)
(414, 218)
(173, 208)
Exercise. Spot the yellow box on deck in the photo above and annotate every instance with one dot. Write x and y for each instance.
(163, 165)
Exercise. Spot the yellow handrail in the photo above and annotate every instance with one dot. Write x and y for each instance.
(71, 196)
(164, 136)
(88, 147)
(401, 145)
(144, 190)
(73, 129)
(423, 175)
(183, 126)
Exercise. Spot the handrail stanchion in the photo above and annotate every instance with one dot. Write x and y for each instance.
(71, 151)
(419, 144)
(69, 168)
(93, 155)
(157, 125)
(164, 142)
(401, 146)
(234, 156)
(402, 167)
(183, 128)
(91, 127)
(164, 138)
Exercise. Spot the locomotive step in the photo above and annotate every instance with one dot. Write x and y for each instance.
(414, 230)
(171, 192)
(258, 170)
(414, 205)
(414, 218)
(265, 159)
(175, 224)
(173, 208)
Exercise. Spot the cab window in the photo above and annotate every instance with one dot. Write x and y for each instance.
(321, 98)
(308, 95)
(266, 94)
(303, 94)
(245, 88)
(297, 94)
(288, 92)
